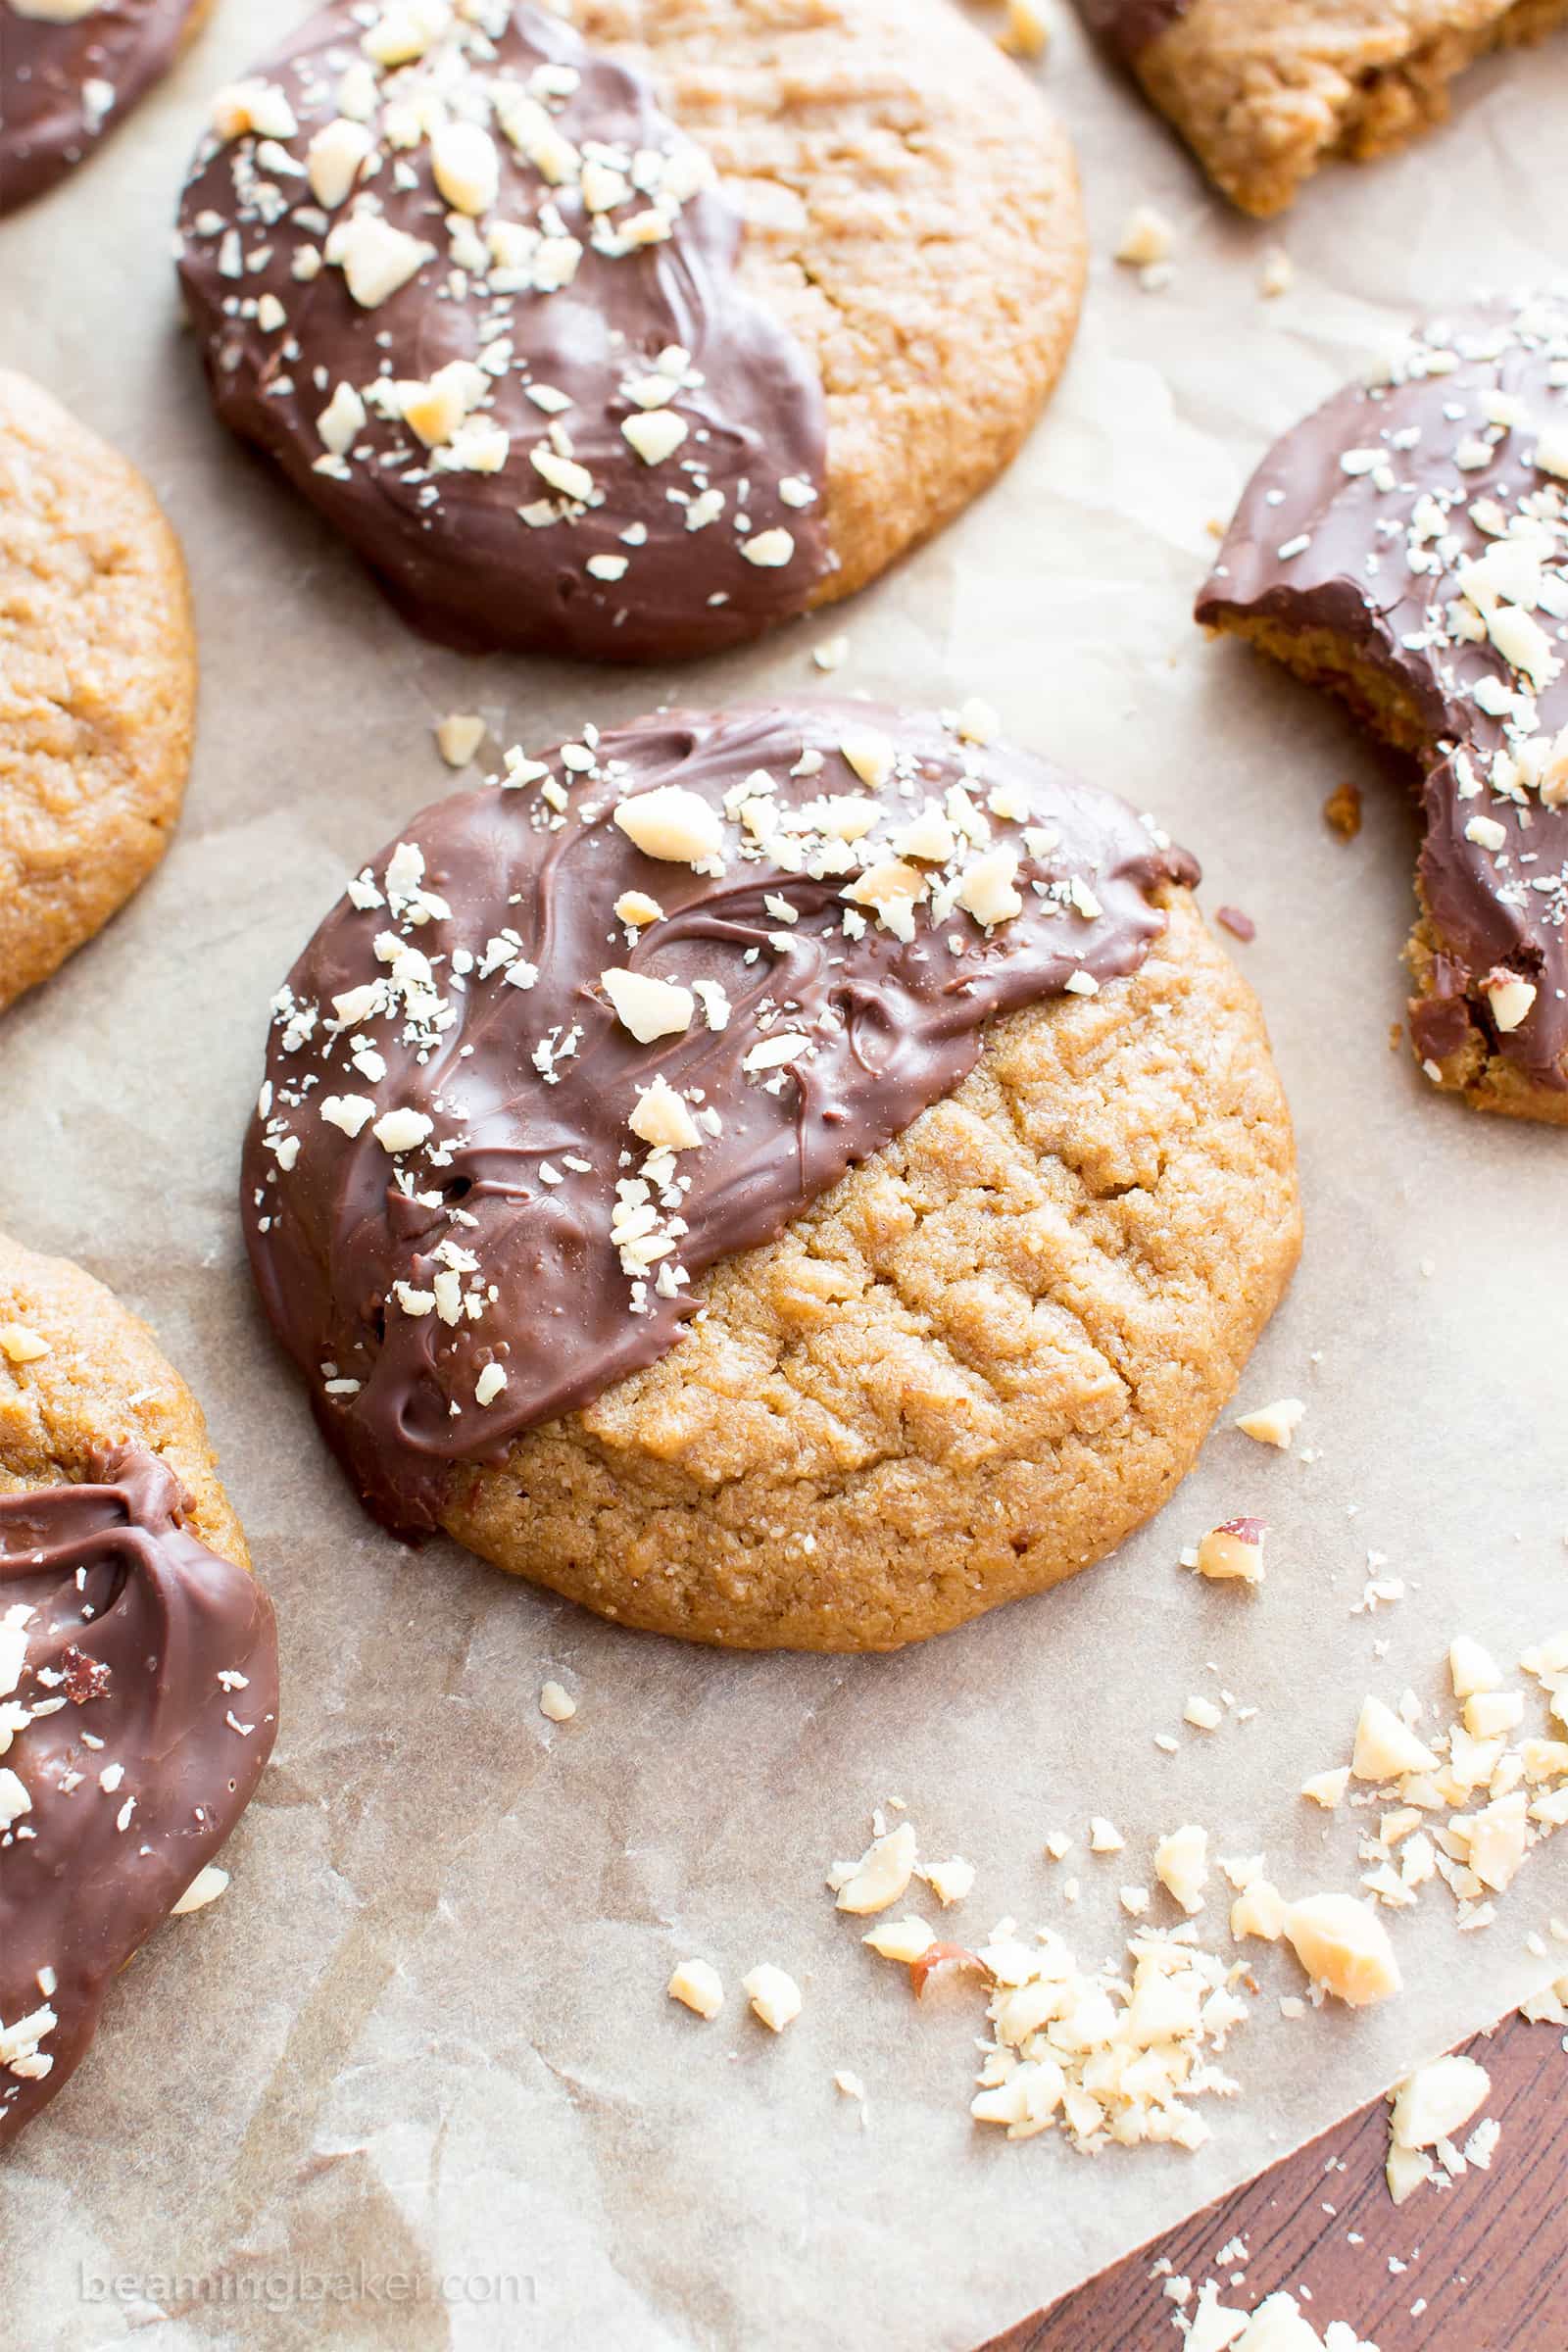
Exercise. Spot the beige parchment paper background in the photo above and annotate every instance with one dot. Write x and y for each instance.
(424, 2035)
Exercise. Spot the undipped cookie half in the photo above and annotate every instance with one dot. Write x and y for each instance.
(70, 72)
(1407, 546)
(789, 1177)
(97, 683)
(138, 1663)
(633, 338)
(1266, 91)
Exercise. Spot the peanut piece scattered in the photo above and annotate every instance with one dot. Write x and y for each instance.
(1345, 1947)
(1181, 1864)
(1233, 1551)
(1385, 1747)
(1146, 239)
(459, 737)
(907, 1940)
(1274, 1424)
(205, 1887)
(698, 1984)
(774, 1995)
(881, 1874)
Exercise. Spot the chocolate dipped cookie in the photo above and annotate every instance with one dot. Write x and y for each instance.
(1266, 91)
(97, 683)
(70, 72)
(635, 334)
(1407, 547)
(788, 1177)
(139, 1663)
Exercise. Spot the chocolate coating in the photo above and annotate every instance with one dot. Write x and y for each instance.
(54, 80)
(1363, 524)
(1130, 27)
(502, 1034)
(634, 559)
(129, 1623)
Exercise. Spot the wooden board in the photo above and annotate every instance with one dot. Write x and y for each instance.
(1487, 2260)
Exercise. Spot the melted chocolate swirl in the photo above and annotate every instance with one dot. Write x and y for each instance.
(138, 1704)
(481, 307)
(455, 1226)
(1420, 522)
(64, 87)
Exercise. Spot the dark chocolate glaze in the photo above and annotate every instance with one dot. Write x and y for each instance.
(1496, 912)
(48, 119)
(130, 1623)
(1130, 27)
(334, 1224)
(450, 545)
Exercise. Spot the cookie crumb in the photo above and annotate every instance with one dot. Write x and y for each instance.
(557, 1704)
(1342, 810)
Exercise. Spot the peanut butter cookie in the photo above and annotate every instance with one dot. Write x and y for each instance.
(1407, 547)
(138, 1663)
(787, 1178)
(97, 683)
(633, 335)
(70, 72)
(1266, 91)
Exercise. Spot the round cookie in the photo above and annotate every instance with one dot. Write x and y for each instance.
(118, 1554)
(785, 1178)
(97, 683)
(1407, 547)
(1266, 91)
(632, 338)
(71, 70)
